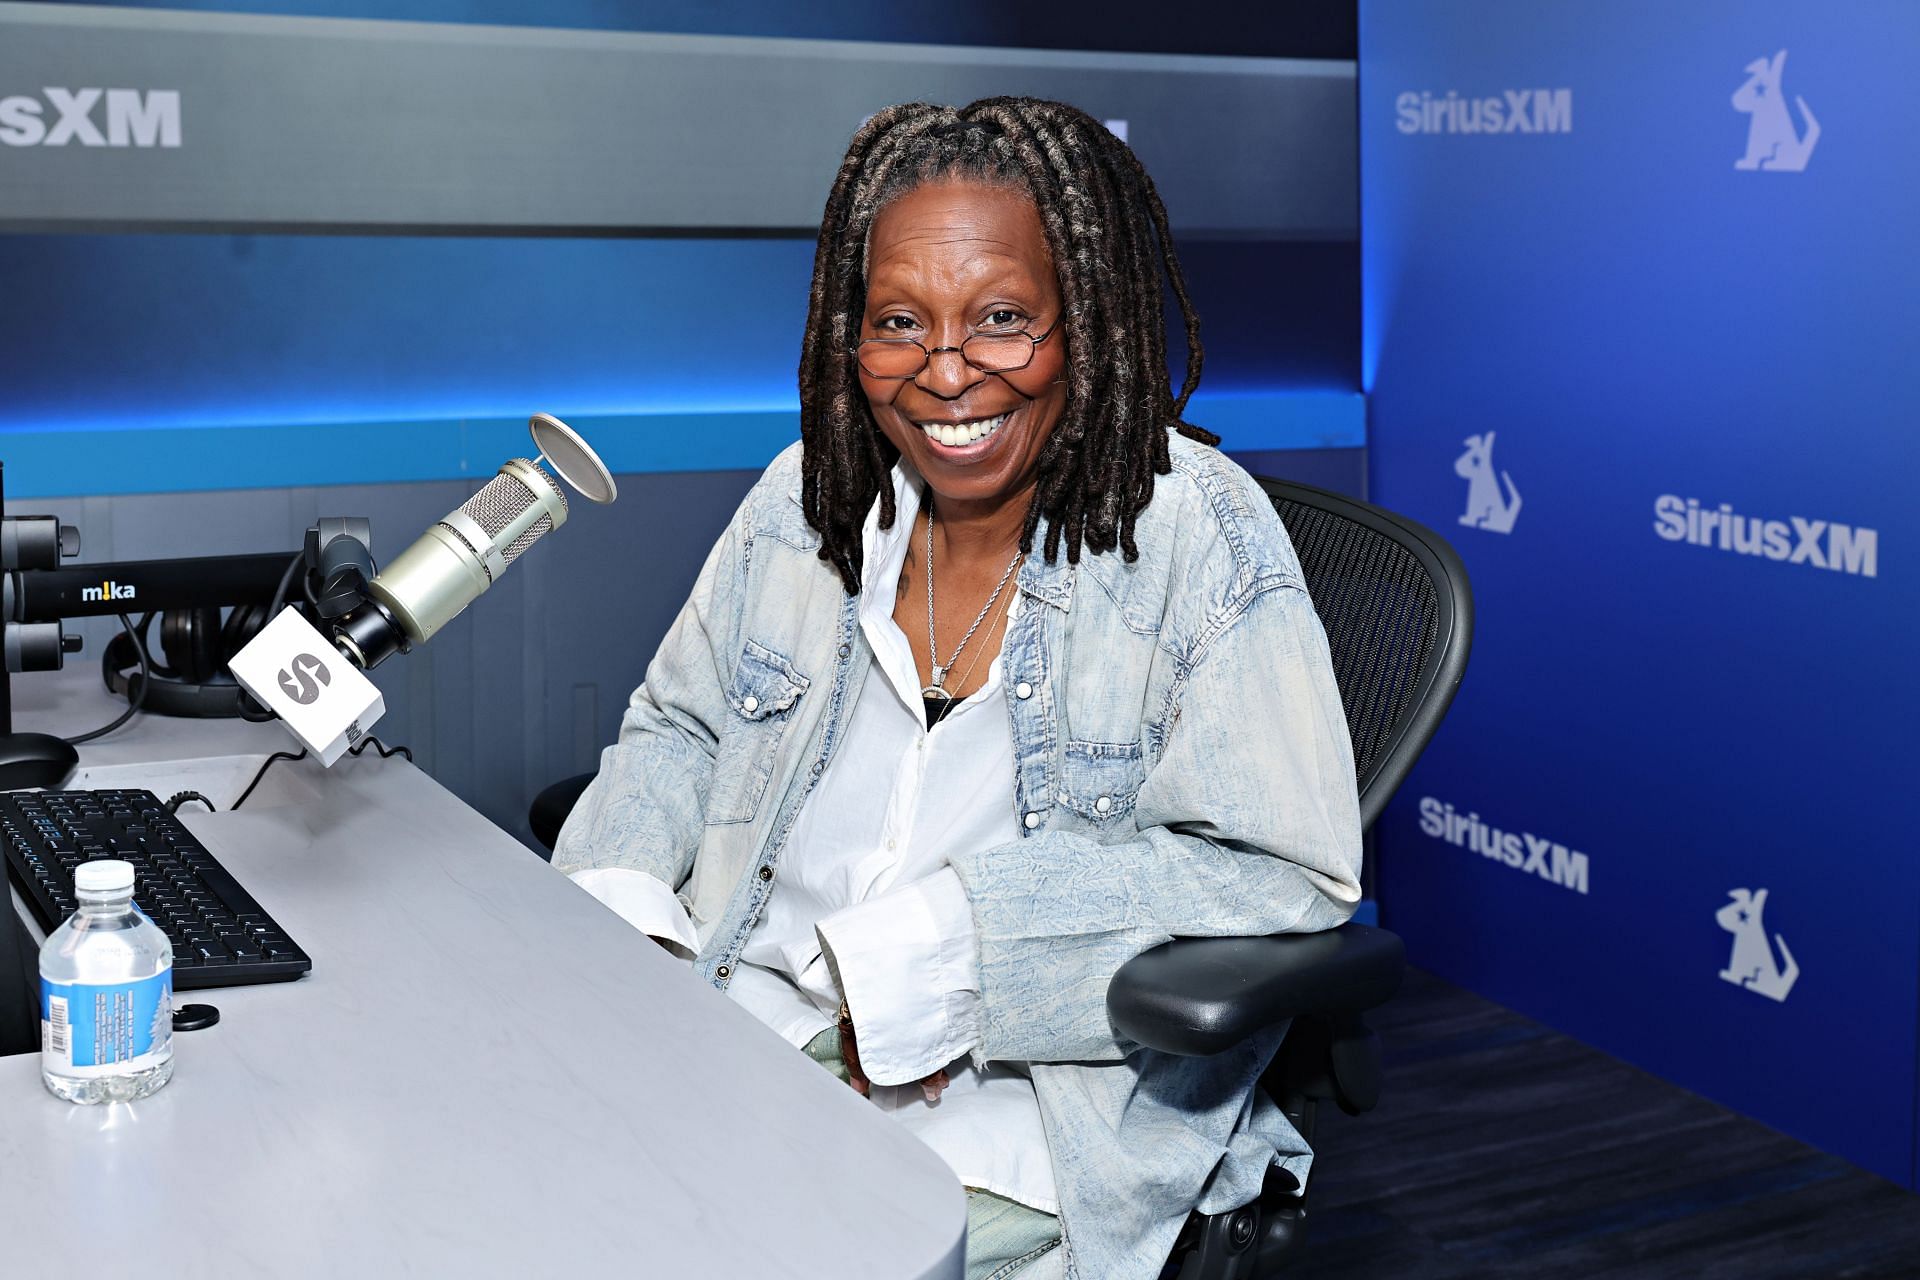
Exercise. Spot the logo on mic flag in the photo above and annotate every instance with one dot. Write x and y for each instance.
(304, 678)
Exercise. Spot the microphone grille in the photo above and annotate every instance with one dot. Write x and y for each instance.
(502, 499)
(533, 533)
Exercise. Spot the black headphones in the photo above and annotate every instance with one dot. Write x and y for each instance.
(196, 647)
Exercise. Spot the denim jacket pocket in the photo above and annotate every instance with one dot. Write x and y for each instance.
(762, 696)
(1099, 780)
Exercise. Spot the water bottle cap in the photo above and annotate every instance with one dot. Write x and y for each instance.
(103, 875)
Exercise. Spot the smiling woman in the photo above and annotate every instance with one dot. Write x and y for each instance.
(922, 863)
(963, 266)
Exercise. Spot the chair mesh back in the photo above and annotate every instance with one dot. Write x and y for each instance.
(1380, 610)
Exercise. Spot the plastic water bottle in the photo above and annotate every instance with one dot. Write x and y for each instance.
(106, 994)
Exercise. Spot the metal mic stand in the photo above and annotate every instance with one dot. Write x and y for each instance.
(31, 645)
(340, 560)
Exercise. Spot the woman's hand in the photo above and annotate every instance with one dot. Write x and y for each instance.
(930, 1086)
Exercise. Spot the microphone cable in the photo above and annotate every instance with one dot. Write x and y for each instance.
(301, 754)
(368, 741)
(146, 678)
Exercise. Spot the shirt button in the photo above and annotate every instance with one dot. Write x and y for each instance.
(724, 971)
(891, 845)
(749, 704)
(845, 649)
(766, 873)
(1101, 805)
(817, 766)
(1032, 820)
(1023, 690)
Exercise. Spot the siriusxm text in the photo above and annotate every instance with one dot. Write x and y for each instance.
(1512, 111)
(91, 118)
(1522, 850)
(1820, 544)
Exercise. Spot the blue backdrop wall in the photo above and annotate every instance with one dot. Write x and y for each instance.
(1639, 338)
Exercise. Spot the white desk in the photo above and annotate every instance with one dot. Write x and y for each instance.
(486, 1073)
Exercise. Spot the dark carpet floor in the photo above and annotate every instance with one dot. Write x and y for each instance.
(1504, 1149)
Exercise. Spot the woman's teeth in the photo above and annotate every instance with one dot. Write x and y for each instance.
(962, 432)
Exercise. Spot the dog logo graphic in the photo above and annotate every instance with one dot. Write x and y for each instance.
(1772, 141)
(1752, 964)
(1488, 506)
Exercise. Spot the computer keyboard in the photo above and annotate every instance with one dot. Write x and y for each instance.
(221, 937)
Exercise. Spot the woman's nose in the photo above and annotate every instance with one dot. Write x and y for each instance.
(947, 374)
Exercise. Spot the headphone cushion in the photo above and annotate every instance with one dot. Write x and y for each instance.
(190, 639)
(243, 623)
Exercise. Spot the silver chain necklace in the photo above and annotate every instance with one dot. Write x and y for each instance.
(938, 688)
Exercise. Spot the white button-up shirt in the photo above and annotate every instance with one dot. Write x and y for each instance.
(865, 889)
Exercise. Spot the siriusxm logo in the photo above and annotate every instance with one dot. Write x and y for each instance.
(131, 118)
(1524, 852)
(1773, 143)
(1514, 111)
(1488, 505)
(1820, 544)
(1753, 964)
(106, 591)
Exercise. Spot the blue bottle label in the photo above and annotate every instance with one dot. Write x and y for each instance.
(89, 1029)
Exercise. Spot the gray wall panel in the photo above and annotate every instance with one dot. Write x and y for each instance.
(303, 124)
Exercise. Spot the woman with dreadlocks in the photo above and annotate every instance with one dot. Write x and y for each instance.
(1000, 677)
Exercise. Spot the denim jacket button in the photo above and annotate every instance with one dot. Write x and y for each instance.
(1023, 690)
(845, 649)
(766, 873)
(749, 704)
(723, 972)
(1103, 804)
(1032, 820)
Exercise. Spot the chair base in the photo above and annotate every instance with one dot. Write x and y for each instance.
(1249, 1243)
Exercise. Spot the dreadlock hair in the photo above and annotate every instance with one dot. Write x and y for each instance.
(1107, 232)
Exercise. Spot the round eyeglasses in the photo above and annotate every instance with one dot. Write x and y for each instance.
(898, 359)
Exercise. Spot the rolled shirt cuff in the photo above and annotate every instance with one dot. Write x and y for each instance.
(909, 970)
(645, 902)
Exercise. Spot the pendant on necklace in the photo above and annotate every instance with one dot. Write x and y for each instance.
(937, 689)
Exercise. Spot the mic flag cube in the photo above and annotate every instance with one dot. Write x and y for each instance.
(297, 674)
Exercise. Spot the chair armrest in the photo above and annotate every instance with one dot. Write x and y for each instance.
(1195, 996)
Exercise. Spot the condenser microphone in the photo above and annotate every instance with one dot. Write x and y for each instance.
(431, 582)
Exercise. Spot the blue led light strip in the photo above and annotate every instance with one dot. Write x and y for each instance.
(86, 461)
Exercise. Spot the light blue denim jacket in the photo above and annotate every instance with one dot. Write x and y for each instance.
(1182, 769)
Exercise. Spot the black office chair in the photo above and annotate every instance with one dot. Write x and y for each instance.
(1398, 613)
(549, 810)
